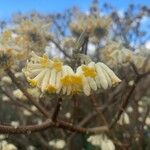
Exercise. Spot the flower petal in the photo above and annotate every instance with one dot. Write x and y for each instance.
(101, 75)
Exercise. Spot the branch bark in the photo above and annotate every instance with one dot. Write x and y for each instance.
(126, 101)
(47, 124)
(57, 109)
(35, 103)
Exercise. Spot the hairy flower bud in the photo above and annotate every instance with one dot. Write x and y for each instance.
(6, 59)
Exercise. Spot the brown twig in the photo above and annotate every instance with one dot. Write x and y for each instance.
(47, 124)
(17, 102)
(58, 27)
(24, 129)
(134, 68)
(95, 105)
(24, 91)
(57, 109)
(42, 141)
(87, 119)
(60, 48)
(126, 101)
(82, 123)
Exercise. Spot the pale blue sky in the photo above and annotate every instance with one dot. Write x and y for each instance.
(7, 7)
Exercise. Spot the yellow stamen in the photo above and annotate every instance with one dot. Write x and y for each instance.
(44, 61)
(75, 90)
(57, 64)
(77, 80)
(32, 82)
(50, 89)
(88, 71)
(71, 80)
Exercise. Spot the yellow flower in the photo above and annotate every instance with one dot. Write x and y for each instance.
(32, 82)
(96, 76)
(44, 61)
(50, 89)
(71, 79)
(88, 71)
(101, 77)
(88, 74)
(42, 72)
(50, 75)
(57, 64)
(71, 83)
(114, 79)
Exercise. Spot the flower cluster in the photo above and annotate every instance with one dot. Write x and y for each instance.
(96, 27)
(25, 36)
(50, 75)
(114, 55)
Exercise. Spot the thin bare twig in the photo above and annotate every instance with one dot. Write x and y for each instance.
(134, 68)
(47, 124)
(126, 101)
(57, 109)
(43, 141)
(60, 48)
(95, 105)
(18, 102)
(24, 91)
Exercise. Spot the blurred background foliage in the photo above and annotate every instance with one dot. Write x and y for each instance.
(113, 38)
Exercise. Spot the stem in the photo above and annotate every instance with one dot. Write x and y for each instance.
(95, 105)
(47, 124)
(126, 101)
(24, 91)
(56, 110)
(60, 48)
(18, 102)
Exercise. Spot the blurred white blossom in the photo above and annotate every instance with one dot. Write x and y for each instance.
(147, 121)
(18, 94)
(58, 143)
(68, 115)
(15, 124)
(124, 119)
(5, 98)
(102, 141)
(130, 109)
(4, 145)
(6, 79)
